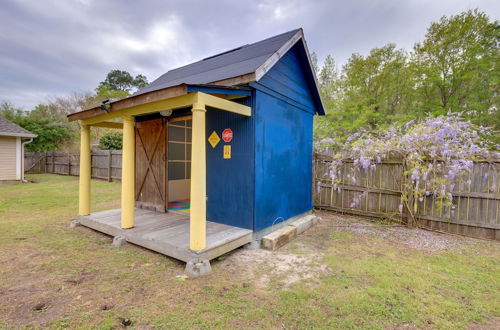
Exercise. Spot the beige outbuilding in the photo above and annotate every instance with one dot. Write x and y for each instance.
(12, 141)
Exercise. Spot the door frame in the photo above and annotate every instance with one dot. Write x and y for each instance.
(140, 204)
(172, 120)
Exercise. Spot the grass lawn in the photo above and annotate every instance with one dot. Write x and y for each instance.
(343, 273)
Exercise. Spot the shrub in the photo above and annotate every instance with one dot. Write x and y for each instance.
(111, 141)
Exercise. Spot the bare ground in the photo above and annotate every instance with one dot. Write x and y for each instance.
(53, 276)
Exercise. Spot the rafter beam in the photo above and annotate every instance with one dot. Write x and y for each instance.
(167, 104)
(223, 104)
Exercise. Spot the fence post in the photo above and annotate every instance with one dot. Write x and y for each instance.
(53, 163)
(91, 161)
(69, 163)
(110, 154)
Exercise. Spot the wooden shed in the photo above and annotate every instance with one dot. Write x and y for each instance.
(12, 141)
(216, 153)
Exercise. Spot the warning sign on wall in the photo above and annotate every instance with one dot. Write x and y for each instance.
(214, 139)
(227, 151)
(227, 135)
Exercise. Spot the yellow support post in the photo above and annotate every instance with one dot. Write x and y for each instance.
(128, 173)
(84, 189)
(198, 222)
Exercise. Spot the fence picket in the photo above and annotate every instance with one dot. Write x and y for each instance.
(62, 163)
(476, 210)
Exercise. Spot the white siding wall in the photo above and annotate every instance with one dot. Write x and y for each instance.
(8, 158)
(19, 158)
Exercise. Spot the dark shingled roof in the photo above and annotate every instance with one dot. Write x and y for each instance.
(229, 64)
(8, 128)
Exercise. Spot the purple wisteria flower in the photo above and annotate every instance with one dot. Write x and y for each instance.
(435, 153)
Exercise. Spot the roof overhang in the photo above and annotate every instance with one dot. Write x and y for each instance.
(105, 118)
(25, 135)
(154, 97)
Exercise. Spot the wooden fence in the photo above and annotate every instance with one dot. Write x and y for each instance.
(377, 193)
(476, 210)
(106, 164)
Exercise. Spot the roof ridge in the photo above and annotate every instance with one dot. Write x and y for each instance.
(233, 50)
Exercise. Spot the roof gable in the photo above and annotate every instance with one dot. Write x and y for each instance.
(290, 78)
(254, 60)
(8, 128)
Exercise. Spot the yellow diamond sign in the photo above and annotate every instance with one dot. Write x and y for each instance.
(214, 139)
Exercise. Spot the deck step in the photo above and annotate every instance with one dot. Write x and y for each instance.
(282, 236)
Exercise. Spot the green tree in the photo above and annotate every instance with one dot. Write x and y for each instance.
(371, 92)
(52, 135)
(111, 141)
(455, 69)
(458, 65)
(328, 78)
(119, 80)
(9, 111)
(105, 92)
(314, 63)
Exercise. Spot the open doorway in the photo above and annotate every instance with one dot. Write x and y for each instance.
(179, 163)
(150, 172)
(163, 163)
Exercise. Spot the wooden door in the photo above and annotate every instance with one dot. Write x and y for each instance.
(150, 165)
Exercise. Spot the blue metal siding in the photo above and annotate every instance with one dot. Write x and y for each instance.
(283, 164)
(284, 109)
(288, 79)
(230, 182)
(269, 177)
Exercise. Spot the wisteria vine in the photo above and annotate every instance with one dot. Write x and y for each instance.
(434, 152)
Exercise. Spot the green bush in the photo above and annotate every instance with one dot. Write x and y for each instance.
(111, 141)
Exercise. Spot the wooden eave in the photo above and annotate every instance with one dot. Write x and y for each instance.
(154, 96)
(131, 101)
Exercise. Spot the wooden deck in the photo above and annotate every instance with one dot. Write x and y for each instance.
(168, 233)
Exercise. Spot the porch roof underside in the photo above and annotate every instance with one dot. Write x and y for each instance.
(168, 98)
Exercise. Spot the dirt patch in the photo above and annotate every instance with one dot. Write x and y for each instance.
(282, 267)
(490, 324)
(301, 261)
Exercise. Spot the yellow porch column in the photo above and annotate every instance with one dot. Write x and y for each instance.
(197, 223)
(84, 189)
(128, 173)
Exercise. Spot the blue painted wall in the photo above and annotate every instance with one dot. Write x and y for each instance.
(269, 175)
(283, 161)
(230, 182)
(284, 109)
(290, 80)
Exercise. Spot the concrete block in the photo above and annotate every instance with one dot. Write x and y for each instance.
(253, 245)
(74, 224)
(119, 241)
(197, 269)
(279, 237)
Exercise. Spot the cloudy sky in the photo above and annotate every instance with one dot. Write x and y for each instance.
(53, 48)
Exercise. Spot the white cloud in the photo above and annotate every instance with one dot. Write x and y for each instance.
(57, 47)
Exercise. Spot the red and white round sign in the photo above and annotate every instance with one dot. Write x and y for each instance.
(227, 135)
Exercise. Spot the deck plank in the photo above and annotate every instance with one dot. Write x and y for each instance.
(168, 233)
